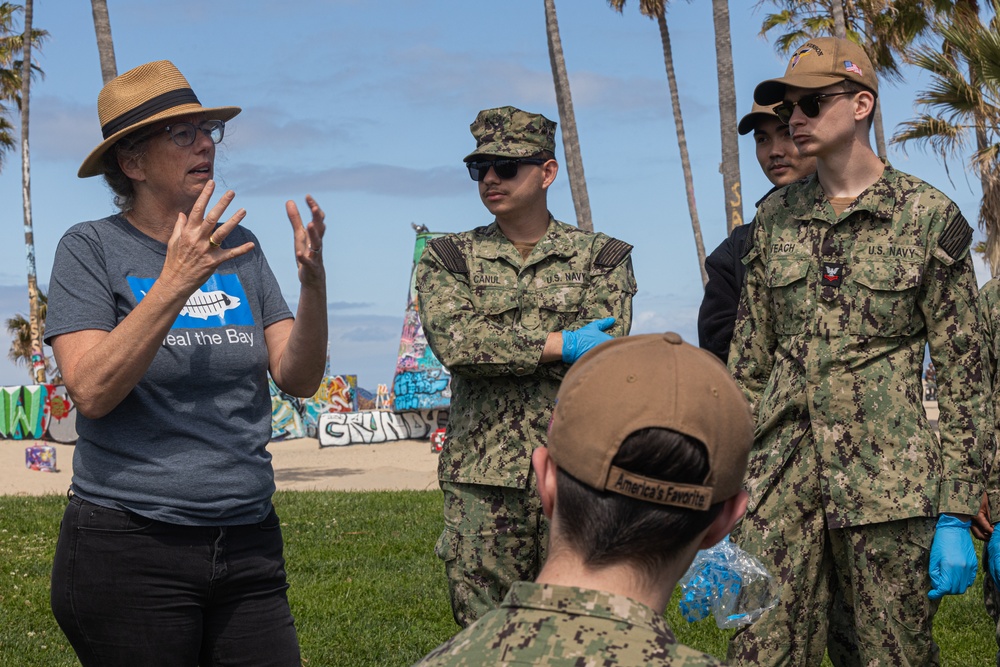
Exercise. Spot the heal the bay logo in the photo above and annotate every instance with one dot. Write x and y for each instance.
(221, 301)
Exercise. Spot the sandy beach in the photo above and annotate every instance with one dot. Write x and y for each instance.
(299, 465)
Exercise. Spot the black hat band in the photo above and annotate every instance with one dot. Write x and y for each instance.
(149, 108)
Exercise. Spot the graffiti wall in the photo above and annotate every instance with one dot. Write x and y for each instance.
(37, 412)
(293, 417)
(375, 426)
(421, 382)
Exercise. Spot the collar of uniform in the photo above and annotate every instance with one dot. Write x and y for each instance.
(879, 199)
(584, 602)
(491, 242)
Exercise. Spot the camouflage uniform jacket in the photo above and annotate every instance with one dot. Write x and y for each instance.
(540, 624)
(829, 346)
(989, 315)
(486, 314)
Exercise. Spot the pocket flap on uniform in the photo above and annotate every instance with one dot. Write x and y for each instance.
(561, 299)
(784, 272)
(888, 276)
(493, 301)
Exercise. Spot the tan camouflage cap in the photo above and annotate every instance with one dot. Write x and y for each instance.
(646, 381)
(510, 132)
(819, 63)
(757, 113)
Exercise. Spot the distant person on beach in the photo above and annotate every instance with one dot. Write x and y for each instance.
(644, 466)
(780, 161)
(507, 308)
(850, 274)
(165, 320)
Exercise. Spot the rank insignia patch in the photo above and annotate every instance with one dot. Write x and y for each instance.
(832, 274)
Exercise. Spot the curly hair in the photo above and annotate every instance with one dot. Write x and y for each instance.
(131, 147)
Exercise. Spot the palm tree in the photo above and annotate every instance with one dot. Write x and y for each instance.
(962, 108)
(37, 353)
(567, 121)
(11, 43)
(657, 10)
(19, 328)
(730, 167)
(105, 45)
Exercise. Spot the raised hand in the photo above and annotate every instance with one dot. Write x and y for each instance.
(308, 242)
(195, 248)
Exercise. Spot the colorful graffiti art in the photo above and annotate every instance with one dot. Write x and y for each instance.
(37, 412)
(299, 418)
(286, 416)
(421, 382)
(377, 426)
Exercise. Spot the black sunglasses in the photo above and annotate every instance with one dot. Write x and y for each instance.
(808, 103)
(504, 168)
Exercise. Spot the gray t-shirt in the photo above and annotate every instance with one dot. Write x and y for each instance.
(188, 443)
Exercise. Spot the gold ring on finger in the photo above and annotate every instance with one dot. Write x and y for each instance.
(212, 242)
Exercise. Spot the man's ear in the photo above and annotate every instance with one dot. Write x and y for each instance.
(864, 104)
(549, 170)
(545, 473)
(732, 511)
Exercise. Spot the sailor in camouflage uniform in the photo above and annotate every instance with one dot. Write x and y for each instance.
(507, 308)
(850, 273)
(644, 466)
(985, 523)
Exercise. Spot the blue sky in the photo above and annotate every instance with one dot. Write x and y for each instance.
(366, 106)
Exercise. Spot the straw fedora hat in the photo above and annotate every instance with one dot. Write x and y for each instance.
(143, 96)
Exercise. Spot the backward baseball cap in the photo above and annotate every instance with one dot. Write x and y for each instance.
(651, 381)
(510, 132)
(819, 63)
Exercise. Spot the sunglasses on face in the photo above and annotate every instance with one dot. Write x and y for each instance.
(808, 103)
(504, 168)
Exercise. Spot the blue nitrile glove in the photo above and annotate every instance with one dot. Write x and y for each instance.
(577, 343)
(993, 554)
(953, 558)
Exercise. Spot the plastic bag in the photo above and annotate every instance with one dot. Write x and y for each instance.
(730, 584)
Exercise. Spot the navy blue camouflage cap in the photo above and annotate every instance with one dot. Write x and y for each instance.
(510, 132)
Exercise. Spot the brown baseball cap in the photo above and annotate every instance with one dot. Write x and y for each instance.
(757, 113)
(510, 132)
(819, 63)
(651, 381)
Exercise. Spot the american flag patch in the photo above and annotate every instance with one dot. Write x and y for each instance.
(851, 67)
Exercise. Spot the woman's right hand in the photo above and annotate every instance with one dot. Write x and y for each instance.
(195, 250)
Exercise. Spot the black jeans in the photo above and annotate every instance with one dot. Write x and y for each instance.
(128, 590)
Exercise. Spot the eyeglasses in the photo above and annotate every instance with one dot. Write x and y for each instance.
(808, 103)
(184, 134)
(504, 168)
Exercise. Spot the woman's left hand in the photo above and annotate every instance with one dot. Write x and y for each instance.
(308, 243)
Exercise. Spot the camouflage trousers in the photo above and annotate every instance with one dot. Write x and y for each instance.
(991, 597)
(859, 592)
(493, 536)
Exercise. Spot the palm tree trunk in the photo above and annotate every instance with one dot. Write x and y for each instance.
(37, 354)
(839, 23)
(730, 166)
(105, 45)
(567, 121)
(668, 61)
(879, 132)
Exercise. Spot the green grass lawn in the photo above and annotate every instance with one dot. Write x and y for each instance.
(366, 588)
